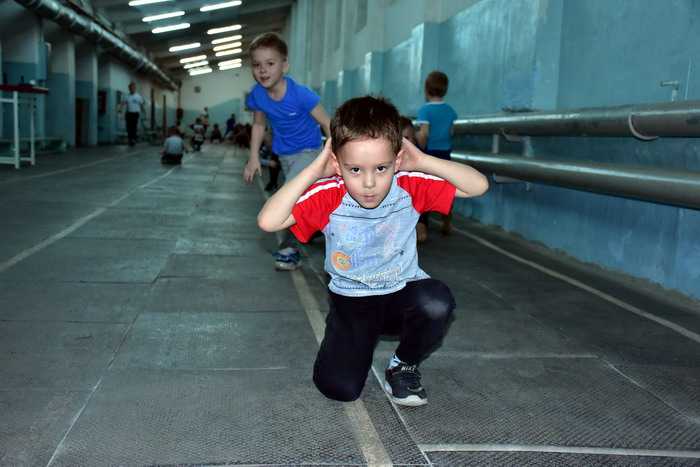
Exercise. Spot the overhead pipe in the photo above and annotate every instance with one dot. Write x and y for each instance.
(646, 122)
(676, 187)
(87, 27)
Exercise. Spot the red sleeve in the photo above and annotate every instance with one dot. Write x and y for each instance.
(314, 207)
(429, 193)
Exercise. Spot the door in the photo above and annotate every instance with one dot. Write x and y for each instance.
(80, 110)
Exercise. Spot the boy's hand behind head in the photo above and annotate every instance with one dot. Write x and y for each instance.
(326, 164)
(410, 157)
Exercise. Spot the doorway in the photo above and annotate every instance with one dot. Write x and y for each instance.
(82, 121)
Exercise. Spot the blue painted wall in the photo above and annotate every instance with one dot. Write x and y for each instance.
(218, 113)
(86, 90)
(60, 122)
(563, 54)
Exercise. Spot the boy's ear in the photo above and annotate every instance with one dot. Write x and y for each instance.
(397, 162)
(285, 65)
(336, 164)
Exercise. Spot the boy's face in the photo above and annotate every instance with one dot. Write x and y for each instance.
(367, 167)
(269, 66)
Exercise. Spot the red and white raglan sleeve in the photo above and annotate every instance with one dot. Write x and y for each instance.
(429, 193)
(313, 209)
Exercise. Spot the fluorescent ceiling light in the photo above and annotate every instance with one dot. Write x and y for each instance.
(177, 48)
(232, 45)
(221, 40)
(196, 58)
(173, 27)
(224, 53)
(172, 14)
(234, 27)
(196, 64)
(230, 67)
(230, 62)
(218, 6)
(200, 71)
(146, 2)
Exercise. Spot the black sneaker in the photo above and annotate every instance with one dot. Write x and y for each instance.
(402, 383)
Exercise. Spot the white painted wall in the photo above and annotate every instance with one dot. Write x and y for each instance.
(217, 89)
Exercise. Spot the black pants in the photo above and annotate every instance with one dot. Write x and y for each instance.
(132, 121)
(171, 159)
(419, 314)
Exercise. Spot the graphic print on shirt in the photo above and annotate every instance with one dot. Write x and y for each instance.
(370, 251)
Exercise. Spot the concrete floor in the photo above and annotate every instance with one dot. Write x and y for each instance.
(142, 323)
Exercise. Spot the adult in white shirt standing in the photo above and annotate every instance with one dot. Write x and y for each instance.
(134, 105)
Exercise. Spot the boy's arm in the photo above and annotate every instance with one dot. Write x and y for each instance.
(276, 214)
(468, 181)
(256, 137)
(319, 114)
(422, 135)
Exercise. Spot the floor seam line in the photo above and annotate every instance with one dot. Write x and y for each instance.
(592, 290)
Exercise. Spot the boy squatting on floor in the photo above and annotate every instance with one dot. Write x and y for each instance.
(365, 192)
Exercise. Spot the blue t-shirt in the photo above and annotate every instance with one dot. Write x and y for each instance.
(440, 117)
(293, 127)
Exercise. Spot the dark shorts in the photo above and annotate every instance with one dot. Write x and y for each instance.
(440, 153)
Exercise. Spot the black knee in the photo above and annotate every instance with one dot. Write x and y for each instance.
(337, 390)
(435, 301)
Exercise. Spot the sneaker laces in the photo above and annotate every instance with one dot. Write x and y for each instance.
(410, 374)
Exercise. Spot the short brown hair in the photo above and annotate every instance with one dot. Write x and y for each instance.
(366, 117)
(436, 84)
(269, 40)
(405, 122)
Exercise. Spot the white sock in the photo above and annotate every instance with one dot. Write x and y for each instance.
(394, 361)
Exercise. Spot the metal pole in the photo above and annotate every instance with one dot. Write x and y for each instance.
(32, 113)
(15, 110)
(678, 119)
(676, 187)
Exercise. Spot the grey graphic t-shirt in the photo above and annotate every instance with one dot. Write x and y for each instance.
(370, 251)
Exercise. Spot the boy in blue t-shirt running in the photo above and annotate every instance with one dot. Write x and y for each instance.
(294, 113)
(435, 120)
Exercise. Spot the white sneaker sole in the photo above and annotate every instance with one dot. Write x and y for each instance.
(282, 266)
(410, 401)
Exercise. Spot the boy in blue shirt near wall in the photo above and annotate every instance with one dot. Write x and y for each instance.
(365, 192)
(435, 119)
(294, 113)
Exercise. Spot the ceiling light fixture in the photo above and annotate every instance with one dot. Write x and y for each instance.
(230, 62)
(234, 27)
(221, 40)
(219, 6)
(172, 14)
(224, 53)
(230, 67)
(200, 71)
(196, 58)
(173, 27)
(146, 2)
(196, 64)
(177, 48)
(232, 45)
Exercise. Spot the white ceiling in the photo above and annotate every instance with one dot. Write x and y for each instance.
(256, 17)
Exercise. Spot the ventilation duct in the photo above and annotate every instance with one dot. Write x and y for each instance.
(88, 28)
